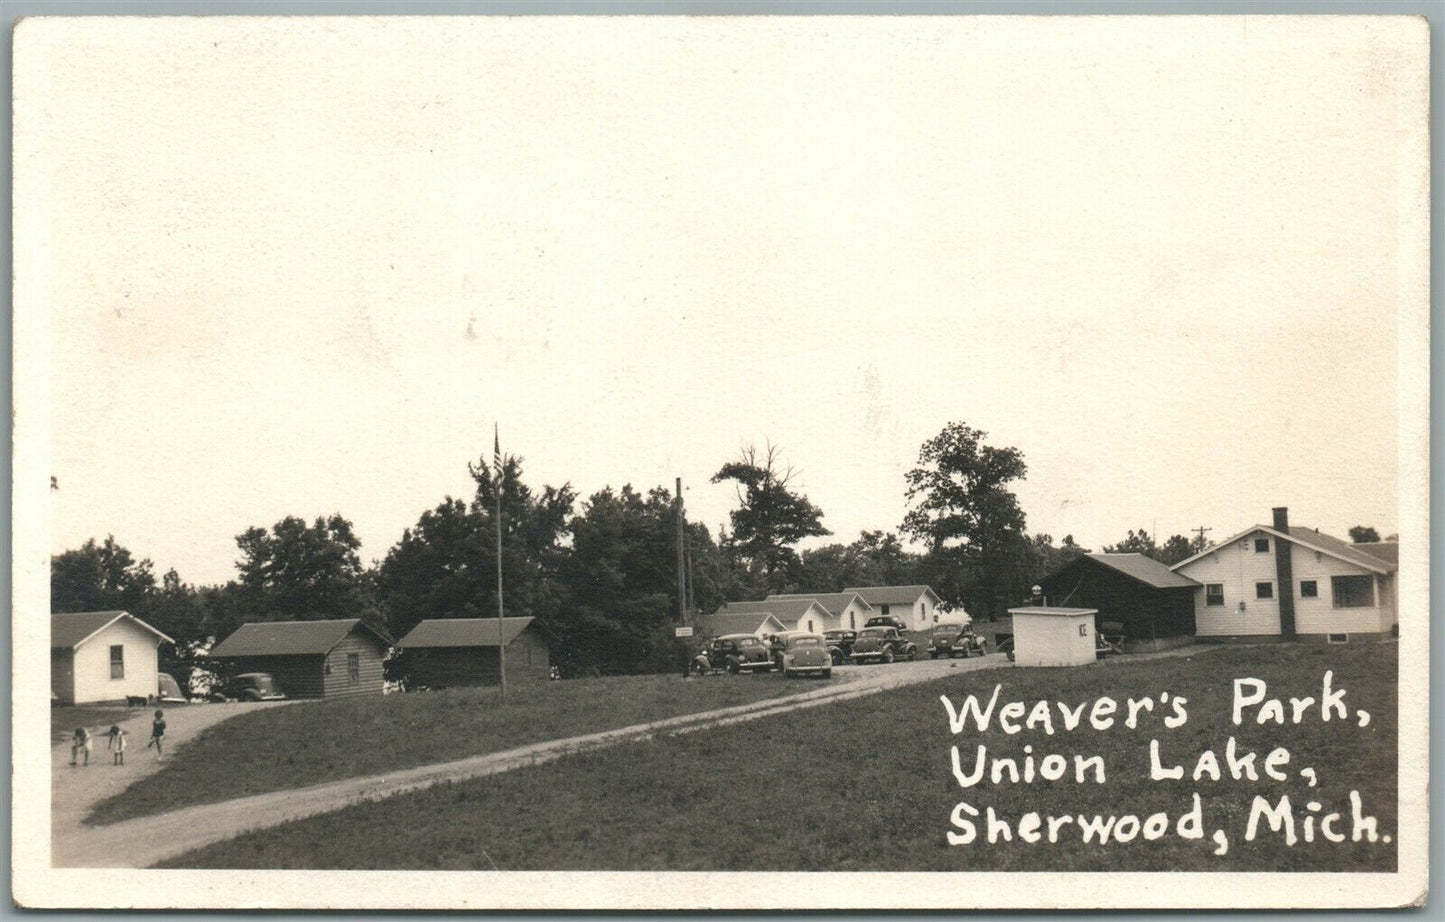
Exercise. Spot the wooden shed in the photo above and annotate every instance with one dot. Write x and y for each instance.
(446, 652)
(310, 659)
(1151, 604)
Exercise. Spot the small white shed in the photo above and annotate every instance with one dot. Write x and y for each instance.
(100, 656)
(1049, 636)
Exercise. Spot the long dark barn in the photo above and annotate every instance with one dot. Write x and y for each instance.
(1135, 595)
(447, 652)
(309, 659)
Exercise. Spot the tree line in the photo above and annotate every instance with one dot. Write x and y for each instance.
(600, 573)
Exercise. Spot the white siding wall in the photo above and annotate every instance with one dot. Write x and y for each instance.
(854, 616)
(1319, 615)
(923, 611)
(1053, 640)
(1238, 567)
(820, 621)
(92, 664)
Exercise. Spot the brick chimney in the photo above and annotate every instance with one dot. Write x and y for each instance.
(1284, 573)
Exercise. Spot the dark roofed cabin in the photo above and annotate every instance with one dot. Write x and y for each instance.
(448, 652)
(309, 659)
(1153, 604)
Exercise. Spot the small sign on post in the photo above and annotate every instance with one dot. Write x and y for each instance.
(683, 632)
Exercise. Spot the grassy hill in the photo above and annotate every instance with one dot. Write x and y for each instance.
(316, 741)
(868, 784)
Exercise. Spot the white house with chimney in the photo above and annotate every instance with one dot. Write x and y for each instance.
(1289, 581)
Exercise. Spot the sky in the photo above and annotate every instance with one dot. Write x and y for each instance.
(305, 268)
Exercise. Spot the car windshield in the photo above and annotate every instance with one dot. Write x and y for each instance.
(807, 642)
(873, 632)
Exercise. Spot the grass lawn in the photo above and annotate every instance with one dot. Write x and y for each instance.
(868, 784)
(64, 720)
(316, 741)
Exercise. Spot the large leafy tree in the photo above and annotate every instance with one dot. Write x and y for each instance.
(1045, 558)
(1175, 549)
(1363, 533)
(300, 572)
(771, 517)
(445, 565)
(963, 508)
(622, 584)
(877, 558)
(100, 577)
(1140, 542)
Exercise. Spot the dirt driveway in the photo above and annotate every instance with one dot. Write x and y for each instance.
(74, 791)
(146, 840)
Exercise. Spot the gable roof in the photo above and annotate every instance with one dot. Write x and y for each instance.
(743, 623)
(69, 630)
(1146, 570)
(291, 638)
(834, 602)
(893, 595)
(783, 609)
(464, 632)
(1312, 539)
(1388, 551)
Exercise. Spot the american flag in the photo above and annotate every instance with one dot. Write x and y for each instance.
(497, 452)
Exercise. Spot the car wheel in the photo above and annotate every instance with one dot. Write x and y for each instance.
(733, 667)
(827, 673)
(888, 656)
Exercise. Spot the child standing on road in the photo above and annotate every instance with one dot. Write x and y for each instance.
(116, 744)
(158, 732)
(79, 743)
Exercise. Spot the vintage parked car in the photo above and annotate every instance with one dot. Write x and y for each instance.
(887, 621)
(840, 644)
(882, 645)
(739, 653)
(806, 654)
(168, 691)
(952, 640)
(250, 686)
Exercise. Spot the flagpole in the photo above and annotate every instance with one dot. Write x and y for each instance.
(501, 626)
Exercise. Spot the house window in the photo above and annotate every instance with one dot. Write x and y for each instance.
(810, 625)
(117, 661)
(1214, 594)
(1337, 638)
(1353, 591)
(1261, 545)
(852, 621)
(884, 609)
(1309, 589)
(1264, 590)
(353, 669)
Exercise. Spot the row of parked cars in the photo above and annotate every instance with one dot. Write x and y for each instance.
(883, 639)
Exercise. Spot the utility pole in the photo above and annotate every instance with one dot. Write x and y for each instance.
(682, 632)
(681, 563)
(501, 620)
(1200, 531)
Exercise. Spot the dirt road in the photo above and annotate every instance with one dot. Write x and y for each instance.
(144, 841)
(74, 791)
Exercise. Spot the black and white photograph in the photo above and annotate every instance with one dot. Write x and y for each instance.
(721, 462)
